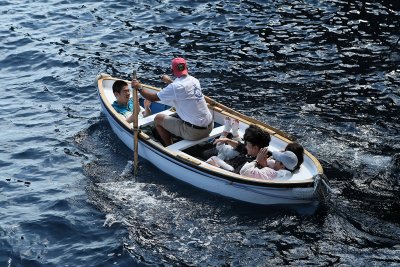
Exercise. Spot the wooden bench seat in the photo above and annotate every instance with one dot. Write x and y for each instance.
(149, 119)
(183, 144)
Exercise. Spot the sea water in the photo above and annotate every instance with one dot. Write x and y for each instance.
(326, 72)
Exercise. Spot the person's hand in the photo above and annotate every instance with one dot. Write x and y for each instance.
(221, 140)
(165, 78)
(147, 103)
(135, 84)
(211, 161)
(262, 156)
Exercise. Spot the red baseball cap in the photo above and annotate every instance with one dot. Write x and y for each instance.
(179, 67)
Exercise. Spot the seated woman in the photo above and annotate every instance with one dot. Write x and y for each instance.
(297, 149)
(284, 164)
(124, 103)
(255, 138)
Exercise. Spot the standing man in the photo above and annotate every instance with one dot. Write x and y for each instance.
(195, 121)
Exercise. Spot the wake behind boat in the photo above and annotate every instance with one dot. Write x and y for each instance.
(180, 161)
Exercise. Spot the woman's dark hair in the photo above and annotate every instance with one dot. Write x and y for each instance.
(118, 85)
(298, 150)
(257, 136)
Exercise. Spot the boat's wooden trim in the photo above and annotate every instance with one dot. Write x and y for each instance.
(188, 161)
(187, 158)
(237, 115)
(316, 162)
(218, 107)
(194, 163)
(144, 136)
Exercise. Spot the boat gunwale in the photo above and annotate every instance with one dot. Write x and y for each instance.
(210, 170)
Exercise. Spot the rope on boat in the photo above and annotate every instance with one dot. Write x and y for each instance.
(136, 129)
(318, 181)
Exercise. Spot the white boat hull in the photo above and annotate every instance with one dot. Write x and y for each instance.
(205, 178)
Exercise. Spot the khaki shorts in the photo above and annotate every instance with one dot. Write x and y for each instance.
(177, 127)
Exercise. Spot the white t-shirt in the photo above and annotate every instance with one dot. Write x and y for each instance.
(186, 96)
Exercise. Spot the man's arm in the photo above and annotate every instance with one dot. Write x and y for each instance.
(145, 93)
(153, 97)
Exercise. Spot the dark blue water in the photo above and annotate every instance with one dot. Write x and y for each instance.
(327, 72)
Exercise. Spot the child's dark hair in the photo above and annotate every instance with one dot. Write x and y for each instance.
(298, 150)
(257, 136)
(118, 85)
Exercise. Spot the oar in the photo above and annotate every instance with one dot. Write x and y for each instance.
(135, 125)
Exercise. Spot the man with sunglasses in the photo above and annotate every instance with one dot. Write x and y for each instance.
(194, 119)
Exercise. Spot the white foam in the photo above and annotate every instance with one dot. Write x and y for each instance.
(110, 220)
(127, 170)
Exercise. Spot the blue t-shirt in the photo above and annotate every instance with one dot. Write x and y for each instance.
(124, 110)
(128, 109)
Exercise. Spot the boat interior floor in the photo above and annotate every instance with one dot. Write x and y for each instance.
(202, 149)
(151, 131)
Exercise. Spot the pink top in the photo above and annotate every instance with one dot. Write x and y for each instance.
(266, 173)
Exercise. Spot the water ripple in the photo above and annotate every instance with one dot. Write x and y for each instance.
(324, 71)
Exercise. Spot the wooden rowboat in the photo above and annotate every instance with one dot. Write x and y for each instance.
(176, 161)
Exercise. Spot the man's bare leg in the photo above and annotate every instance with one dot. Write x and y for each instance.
(164, 134)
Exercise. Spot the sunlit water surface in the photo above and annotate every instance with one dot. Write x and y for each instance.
(326, 72)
